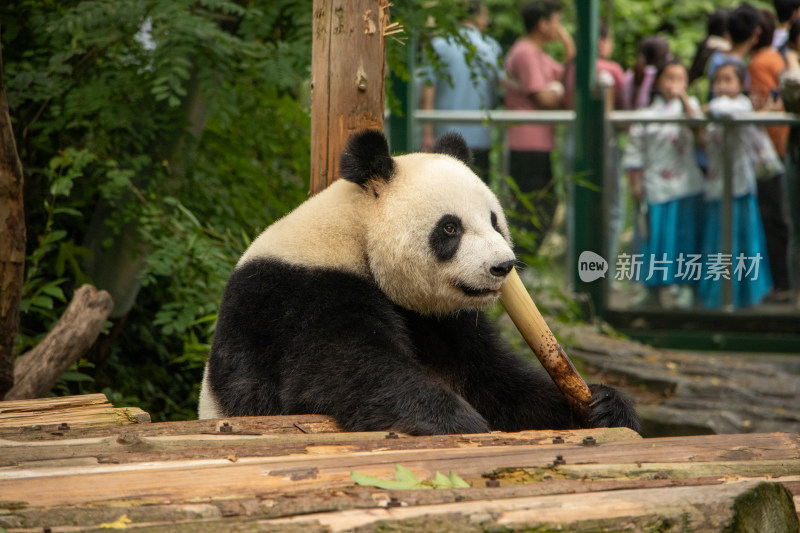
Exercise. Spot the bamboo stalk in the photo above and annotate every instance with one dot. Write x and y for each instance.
(537, 334)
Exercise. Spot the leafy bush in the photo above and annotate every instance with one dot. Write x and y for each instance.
(179, 128)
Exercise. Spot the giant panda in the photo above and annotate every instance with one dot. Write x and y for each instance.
(364, 303)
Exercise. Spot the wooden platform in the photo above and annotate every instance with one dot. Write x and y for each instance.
(76, 464)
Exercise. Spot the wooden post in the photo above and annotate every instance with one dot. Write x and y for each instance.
(347, 79)
(12, 241)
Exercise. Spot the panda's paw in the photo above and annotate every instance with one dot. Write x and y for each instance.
(611, 408)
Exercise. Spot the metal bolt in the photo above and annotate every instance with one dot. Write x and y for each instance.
(225, 428)
(493, 481)
(393, 502)
(589, 441)
(392, 435)
(127, 439)
(63, 426)
(558, 440)
(559, 460)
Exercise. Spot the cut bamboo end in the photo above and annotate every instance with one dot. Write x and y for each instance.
(530, 323)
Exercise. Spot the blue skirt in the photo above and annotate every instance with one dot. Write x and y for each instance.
(748, 267)
(675, 228)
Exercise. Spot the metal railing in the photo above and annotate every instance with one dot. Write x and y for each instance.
(618, 119)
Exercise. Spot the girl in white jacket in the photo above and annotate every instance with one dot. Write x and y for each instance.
(750, 155)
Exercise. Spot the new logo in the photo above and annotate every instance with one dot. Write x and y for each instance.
(591, 266)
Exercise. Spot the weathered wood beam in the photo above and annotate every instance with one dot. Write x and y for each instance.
(225, 476)
(750, 506)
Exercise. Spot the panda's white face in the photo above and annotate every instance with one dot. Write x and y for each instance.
(437, 238)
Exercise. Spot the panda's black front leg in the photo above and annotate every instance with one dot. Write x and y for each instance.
(511, 393)
(520, 397)
(375, 390)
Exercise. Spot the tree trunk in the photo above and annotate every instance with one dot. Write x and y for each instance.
(37, 371)
(12, 241)
(347, 79)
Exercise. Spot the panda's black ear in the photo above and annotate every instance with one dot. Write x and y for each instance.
(365, 157)
(452, 143)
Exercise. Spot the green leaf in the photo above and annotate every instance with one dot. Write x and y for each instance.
(406, 480)
(54, 291)
(440, 481)
(405, 475)
(54, 236)
(45, 302)
(67, 211)
(457, 482)
(374, 481)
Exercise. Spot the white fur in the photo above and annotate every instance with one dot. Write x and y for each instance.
(327, 230)
(426, 187)
(207, 407)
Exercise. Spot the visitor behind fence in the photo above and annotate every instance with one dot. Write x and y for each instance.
(667, 183)
(464, 84)
(749, 154)
(766, 64)
(638, 83)
(790, 93)
(716, 40)
(743, 31)
(534, 82)
(787, 11)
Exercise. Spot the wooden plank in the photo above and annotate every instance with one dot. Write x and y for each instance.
(203, 513)
(45, 404)
(132, 445)
(182, 480)
(752, 506)
(255, 425)
(83, 410)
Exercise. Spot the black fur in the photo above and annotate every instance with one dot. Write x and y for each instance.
(452, 143)
(445, 237)
(296, 340)
(365, 157)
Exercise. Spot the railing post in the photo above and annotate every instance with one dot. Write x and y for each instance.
(588, 225)
(729, 130)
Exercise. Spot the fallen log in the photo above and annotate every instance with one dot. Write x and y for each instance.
(36, 371)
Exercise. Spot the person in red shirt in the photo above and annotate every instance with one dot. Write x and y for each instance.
(534, 82)
(766, 64)
(609, 73)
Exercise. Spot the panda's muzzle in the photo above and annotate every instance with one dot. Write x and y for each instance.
(499, 270)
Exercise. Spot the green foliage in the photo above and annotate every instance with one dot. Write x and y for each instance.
(406, 480)
(184, 120)
(683, 24)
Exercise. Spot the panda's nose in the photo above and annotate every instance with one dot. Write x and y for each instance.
(502, 269)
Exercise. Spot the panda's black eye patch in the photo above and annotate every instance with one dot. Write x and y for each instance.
(445, 237)
(494, 223)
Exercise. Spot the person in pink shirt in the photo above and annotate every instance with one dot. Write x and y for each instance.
(637, 89)
(534, 82)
